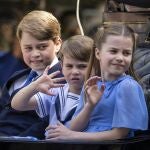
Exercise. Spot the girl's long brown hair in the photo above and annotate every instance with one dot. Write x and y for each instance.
(100, 38)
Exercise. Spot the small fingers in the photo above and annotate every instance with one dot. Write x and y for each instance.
(46, 70)
(51, 132)
(51, 135)
(51, 127)
(92, 80)
(86, 88)
(58, 80)
(52, 75)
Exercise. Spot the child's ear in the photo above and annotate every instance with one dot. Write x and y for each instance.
(97, 53)
(58, 43)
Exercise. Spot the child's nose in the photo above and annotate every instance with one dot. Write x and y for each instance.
(35, 53)
(119, 57)
(75, 71)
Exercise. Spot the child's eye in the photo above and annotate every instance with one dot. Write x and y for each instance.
(82, 66)
(127, 53)
(68, 66)
(28, 49)
(113, 51)
(42, 47)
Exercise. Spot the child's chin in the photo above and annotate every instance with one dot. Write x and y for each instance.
(76, 82)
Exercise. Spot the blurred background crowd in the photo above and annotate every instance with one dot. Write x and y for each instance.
(11, 12)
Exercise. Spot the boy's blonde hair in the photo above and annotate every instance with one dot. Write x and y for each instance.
(78, 47)
(40, 24)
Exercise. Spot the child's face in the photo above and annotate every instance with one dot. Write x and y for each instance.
(74, 71)
(115, 56)
(38, 54)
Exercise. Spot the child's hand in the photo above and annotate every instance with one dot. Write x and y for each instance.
(45, 82)
(93, 93)
(58, 133)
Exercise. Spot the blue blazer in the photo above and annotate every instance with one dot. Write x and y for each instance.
(21, 123)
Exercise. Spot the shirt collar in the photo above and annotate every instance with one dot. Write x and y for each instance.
(54, 62)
